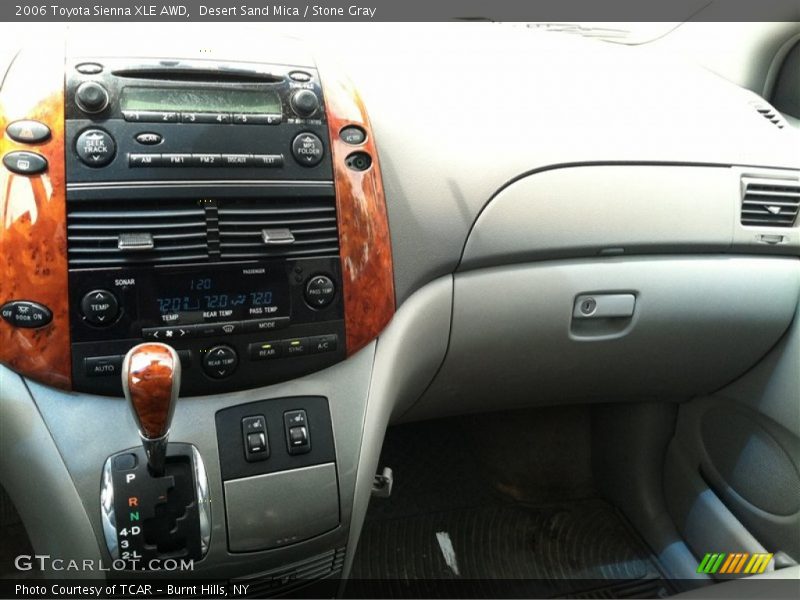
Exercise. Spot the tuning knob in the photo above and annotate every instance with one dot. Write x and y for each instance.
(151, 379)
(91, 97)
(305, 103)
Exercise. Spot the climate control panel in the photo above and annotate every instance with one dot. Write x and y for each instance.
(234, 326)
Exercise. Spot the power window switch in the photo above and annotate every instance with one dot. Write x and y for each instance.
(254, 434)
(298, 439)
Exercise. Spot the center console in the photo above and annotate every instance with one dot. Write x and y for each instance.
(207, 235)
(201, 212)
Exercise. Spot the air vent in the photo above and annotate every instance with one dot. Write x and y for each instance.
(104, 233)
(295, 576)
(107, 233)
(770, 202)
(767, 111)
(256, 229)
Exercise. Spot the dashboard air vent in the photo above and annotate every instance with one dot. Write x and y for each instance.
(767, 111)
(257, 229)
(105, 233)
(770, 202)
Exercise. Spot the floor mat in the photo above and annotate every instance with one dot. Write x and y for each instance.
(582, 549)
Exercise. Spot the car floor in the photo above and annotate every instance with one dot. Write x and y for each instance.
(499, 505)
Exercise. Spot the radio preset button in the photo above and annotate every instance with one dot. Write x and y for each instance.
(144, 160)
(25, 163)
(148, 138)
(265, 324)
(304, 102)
(269, 161)
(308, 149)
(220, 362)
(150, 116)
(236, 160)
(206, 160)
(28, 132)
(100, 307)
(95, 148)
(320, 291)
(176, 160)
(221, 118)
(257, 119)
(91, 97)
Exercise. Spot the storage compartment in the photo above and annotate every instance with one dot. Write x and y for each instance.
(277, 509)
(697, 323)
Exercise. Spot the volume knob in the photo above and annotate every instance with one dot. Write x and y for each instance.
(91, 97)
(305, 103)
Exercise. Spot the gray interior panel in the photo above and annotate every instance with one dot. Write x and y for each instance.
(26, 448)
(277, 509)
(726, 454)
(698, 324)
(441, 166)
(586, 211)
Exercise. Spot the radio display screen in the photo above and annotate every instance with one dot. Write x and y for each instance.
(199, 100)
(209, 296)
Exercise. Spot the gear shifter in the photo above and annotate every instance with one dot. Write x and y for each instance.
(154, 497)
(151, 378)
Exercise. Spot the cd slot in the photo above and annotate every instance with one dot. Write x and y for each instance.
(162, 73)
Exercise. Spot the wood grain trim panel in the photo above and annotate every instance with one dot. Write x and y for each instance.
(365, 245)
(33, 234)
(151, 372)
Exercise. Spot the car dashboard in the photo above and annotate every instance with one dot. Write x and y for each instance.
(333, 246)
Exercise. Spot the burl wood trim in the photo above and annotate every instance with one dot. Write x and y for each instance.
(365, 245)
(150, 377)
(33, 234)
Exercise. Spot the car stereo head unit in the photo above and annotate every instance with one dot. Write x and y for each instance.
(171, 120)
(201, 212)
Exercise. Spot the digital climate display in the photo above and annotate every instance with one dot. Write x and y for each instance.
(208, 297)
(199, 100)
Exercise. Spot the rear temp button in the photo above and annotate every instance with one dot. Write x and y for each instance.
(220, 362)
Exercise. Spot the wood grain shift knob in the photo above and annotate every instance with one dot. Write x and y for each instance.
(151, 378)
